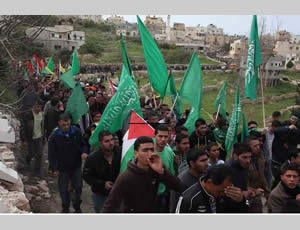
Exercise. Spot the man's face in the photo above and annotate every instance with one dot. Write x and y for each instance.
(296, 160)
(244, 159)
(153, 120)
(162, 138)
(200, 165)
(37, 108)
(97, 117)
(218, 190)
(255, 146)
(214, 152)
(201, 129)
(64, 125)
(293, 121)
(107, 143)
(290, 178)
(143, 153)
(184, 146)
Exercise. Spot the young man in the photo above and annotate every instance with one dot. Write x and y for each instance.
(32, 134)
(201, 197)
(198, 165)
(167, 156)
(136, 188)
(276, 115)
(182, 147)
(201, 136)
(101, 169)
(257, 180)
(287, 189)
(66, 149)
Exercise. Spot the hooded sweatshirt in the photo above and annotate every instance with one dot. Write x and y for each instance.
(135, 190)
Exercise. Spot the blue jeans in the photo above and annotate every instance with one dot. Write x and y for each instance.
(98, 201)
(63, 184)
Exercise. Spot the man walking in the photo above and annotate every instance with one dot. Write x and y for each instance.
(66, 149)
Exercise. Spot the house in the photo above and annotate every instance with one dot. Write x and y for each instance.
(59, 37)
(237, 48)
(276, 63)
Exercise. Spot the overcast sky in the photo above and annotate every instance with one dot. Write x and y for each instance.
(232, 24)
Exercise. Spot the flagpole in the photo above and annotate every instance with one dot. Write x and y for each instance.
(172, 108)
(153, 97)
(219, 106)
(210, 116)
(262, 99)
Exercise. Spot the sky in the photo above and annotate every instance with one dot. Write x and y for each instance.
(232, 24)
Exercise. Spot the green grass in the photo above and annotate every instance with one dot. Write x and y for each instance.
(292, 75)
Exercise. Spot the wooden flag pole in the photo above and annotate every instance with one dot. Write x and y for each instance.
(218, 111)
(172, 108)
(262, 99)
(210, 116)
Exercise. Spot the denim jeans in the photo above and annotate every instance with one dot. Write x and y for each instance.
(98, 200)
(63, 184)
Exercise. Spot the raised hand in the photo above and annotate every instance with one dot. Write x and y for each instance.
(155, 163)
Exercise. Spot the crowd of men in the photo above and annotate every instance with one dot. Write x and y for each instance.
(170, 173)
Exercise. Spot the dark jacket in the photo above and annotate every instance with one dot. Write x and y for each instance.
(136, 189)
(285, 140)
(279, 197)
(27, 125)
(196, 200)
(196, 140)
(51, 121)
(65, 149)
(97, 170)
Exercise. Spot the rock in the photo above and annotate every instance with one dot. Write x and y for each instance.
(18, 186)
(38, 198)
(15, 198)
(29, 196)
(46, 195)
(43, 187)
(6, 154)
(31, 189)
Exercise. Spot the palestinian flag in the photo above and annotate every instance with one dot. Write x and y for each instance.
(37, 62)
(137, 127)
(29, 66)
(48, 70)
(112, 86)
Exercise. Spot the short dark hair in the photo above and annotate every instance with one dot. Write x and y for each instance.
(181, 128)
(180, 137)
(276, 114)
(199, 122)
(276, 124)
(152, 114)
(252, 123)
(293, 154)
(218, 174)
(251, 138)
(255, 134)
(142, 140)
(194, 154)
(210, 145)
(64, 117)
(241, 148)
(103, 134)
(54, 101)
(161, 127)
(291, 166)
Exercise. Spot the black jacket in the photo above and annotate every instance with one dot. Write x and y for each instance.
(196, 200)
(285, 140)
(51, 121)
(201, 140)
(65, 149)
(97, 171)
(27, 125)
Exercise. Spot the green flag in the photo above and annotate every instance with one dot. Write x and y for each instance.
(191, 91)
(156, 66)
(245, 131)
(68, 79)
(119, 107)
(221, 101)
(253, 61)
(126, 60)
(172, 91)
(77, 105)
(48, 70)
(75, 64)
(234, 124)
